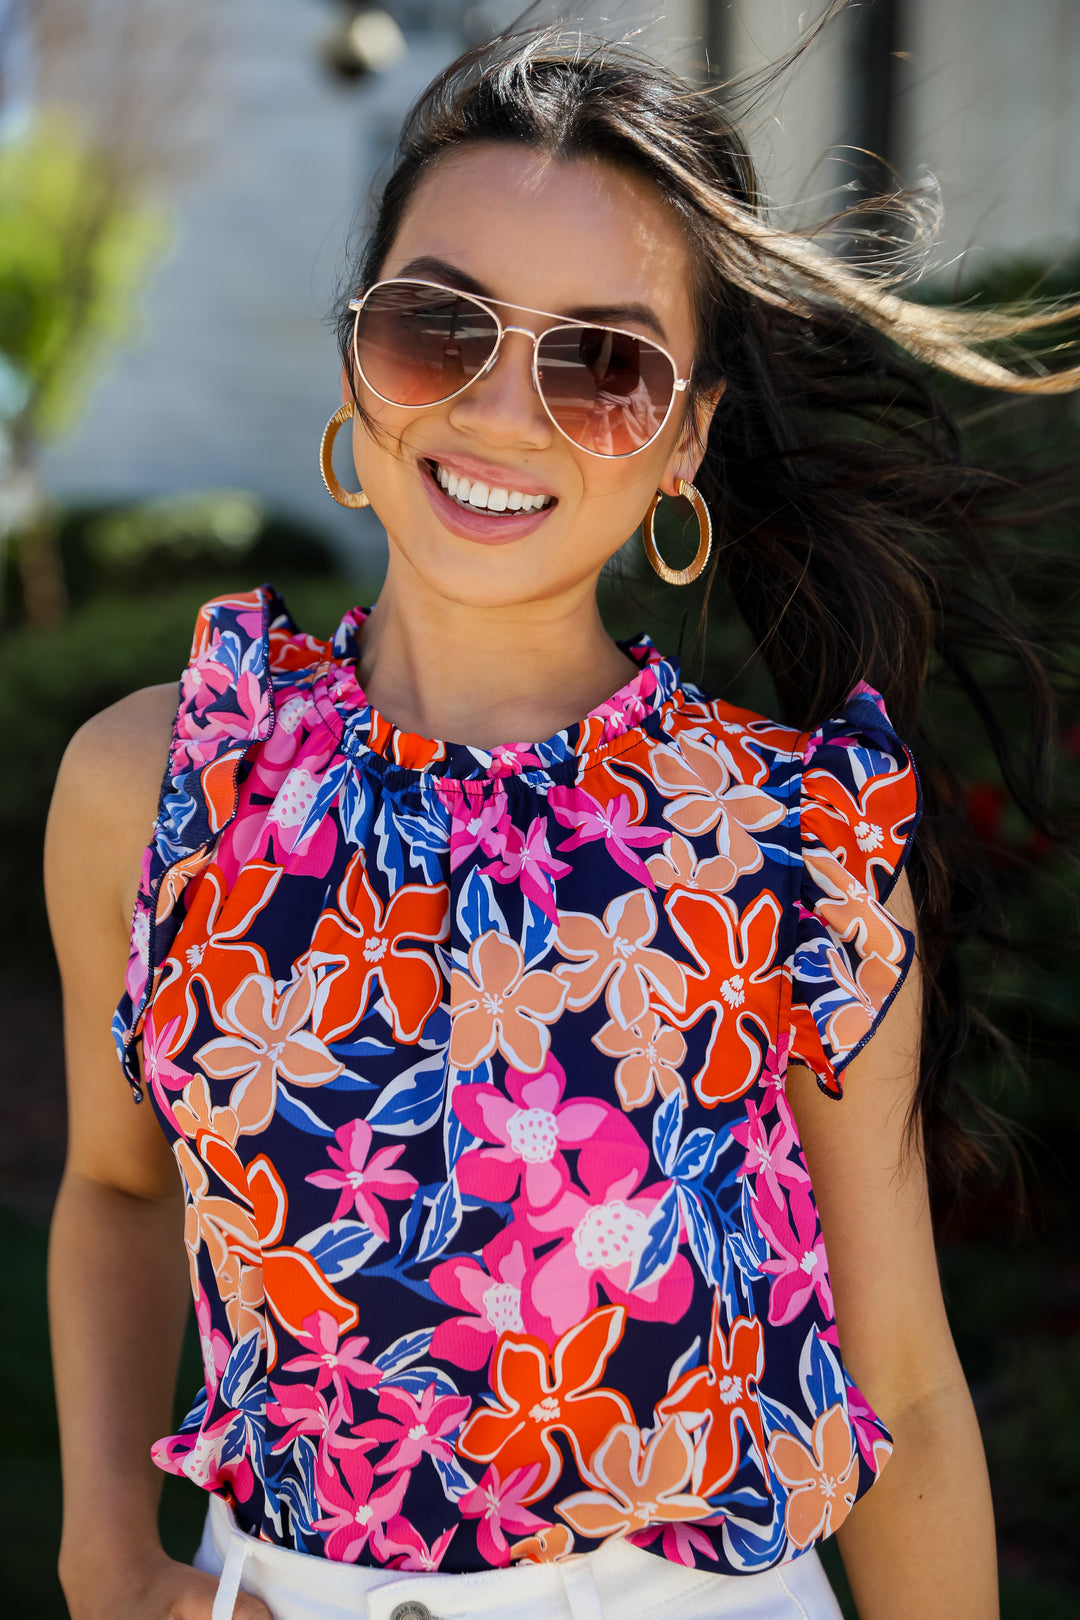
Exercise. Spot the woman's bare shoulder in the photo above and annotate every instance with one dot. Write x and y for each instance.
(107, 790)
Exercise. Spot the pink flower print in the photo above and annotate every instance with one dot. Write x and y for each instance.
(362, 1182)
(768, 1152)
(475, 822)
(299, 1409)
(614, 956)
(680, 1541)
(604, 1232)
(772, 1081)
(509, 758)
(159, 1072)
(649, 1055)
(215, 1347)
(799, 1269)
(197, 744)
(874, 1441)
(533, 1127)
(498, 1506)
(291, 777)
(527, 861)
(611, 822)
(489, 1291)
(496, 1005)
(355, 1513)
(267, 1038)
(417, 1428)
(401, 1546)
(341, 1365)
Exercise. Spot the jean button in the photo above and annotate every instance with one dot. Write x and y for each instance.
(411, 1611)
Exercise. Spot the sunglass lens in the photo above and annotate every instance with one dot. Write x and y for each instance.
(608, 391)
(417, 347)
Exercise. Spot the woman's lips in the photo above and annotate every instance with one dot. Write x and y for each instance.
(475, 523)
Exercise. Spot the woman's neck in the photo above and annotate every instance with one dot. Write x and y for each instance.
(486, 675)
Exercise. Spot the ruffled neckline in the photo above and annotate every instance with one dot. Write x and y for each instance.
(366, 732)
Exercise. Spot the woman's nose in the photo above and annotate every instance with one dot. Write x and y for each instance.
(503, 406)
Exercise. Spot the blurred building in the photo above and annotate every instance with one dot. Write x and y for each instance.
(235, 373)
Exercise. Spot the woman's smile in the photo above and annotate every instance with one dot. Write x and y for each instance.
(481, 501)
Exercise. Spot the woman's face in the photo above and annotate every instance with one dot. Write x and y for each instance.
(571, 237)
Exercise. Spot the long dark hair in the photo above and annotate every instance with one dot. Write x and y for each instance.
(854, 540)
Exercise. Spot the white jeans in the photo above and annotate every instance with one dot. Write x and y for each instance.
(618, 1582)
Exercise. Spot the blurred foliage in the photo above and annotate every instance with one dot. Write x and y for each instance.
(72, 257)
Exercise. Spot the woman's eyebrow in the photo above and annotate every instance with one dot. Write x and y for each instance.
(428, 267)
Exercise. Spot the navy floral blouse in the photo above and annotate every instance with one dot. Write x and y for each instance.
(501, 1237)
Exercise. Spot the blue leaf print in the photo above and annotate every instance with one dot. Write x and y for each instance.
(235, 1440)
(661, 1241)
(820, 1376)
(409, 1348)
(455, 1481)
(442, 1222)
(391, 856)
(751, 1546)
(478, 911)
(368, 1047)
(239, 1368)
(666, 1126)
(327, 793)
(357, 808)
(752, 1234)
(702, 1234)
(296, 1486)
(413, 1102)
(775, 1415)
(436, 1032)
(538, 932)
(732, 1288)
(299, 1114)
(697, 1155)
(427, 838)
(340, 1247)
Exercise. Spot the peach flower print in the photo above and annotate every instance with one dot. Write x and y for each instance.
(705, 798)
(497, 1005)
(642, 1482)
(649, 1055)
(547, 1546)
(822, 1481)
(678, 866)
(267, 1038)
(614, 956)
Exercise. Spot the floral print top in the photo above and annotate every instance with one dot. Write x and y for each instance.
(501, 1238)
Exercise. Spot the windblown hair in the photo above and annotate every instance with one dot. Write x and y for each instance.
(855, 542)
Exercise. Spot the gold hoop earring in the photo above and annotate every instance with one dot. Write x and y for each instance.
(679, 576)
(343, 496)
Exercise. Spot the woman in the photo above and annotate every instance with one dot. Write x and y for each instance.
(503, 1076)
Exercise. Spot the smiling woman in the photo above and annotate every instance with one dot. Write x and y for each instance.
(539, 1267)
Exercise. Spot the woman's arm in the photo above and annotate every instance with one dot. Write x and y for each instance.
(921, 1542)
(117, 1268)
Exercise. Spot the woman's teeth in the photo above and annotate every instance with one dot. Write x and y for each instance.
(487, 497)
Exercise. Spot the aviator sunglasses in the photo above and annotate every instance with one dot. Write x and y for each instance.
(418, 343)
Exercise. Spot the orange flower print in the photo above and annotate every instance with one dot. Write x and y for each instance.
(364, 943)
(822, 1481)
(544, 1391)
(722, 1395)
(497, 1005)
(267, 1039)
(649, 1056)
(211, 947)
(614, 956)
(547, 1546)
(738, 983)
(641, 1483)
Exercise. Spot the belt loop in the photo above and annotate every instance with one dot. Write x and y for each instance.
(229, 1583)
(579, 1583)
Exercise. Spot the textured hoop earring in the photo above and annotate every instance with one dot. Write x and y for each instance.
(679, 576)
(343, 496)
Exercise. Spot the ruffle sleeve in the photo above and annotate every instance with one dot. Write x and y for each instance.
(226, 704)
(859, 807)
